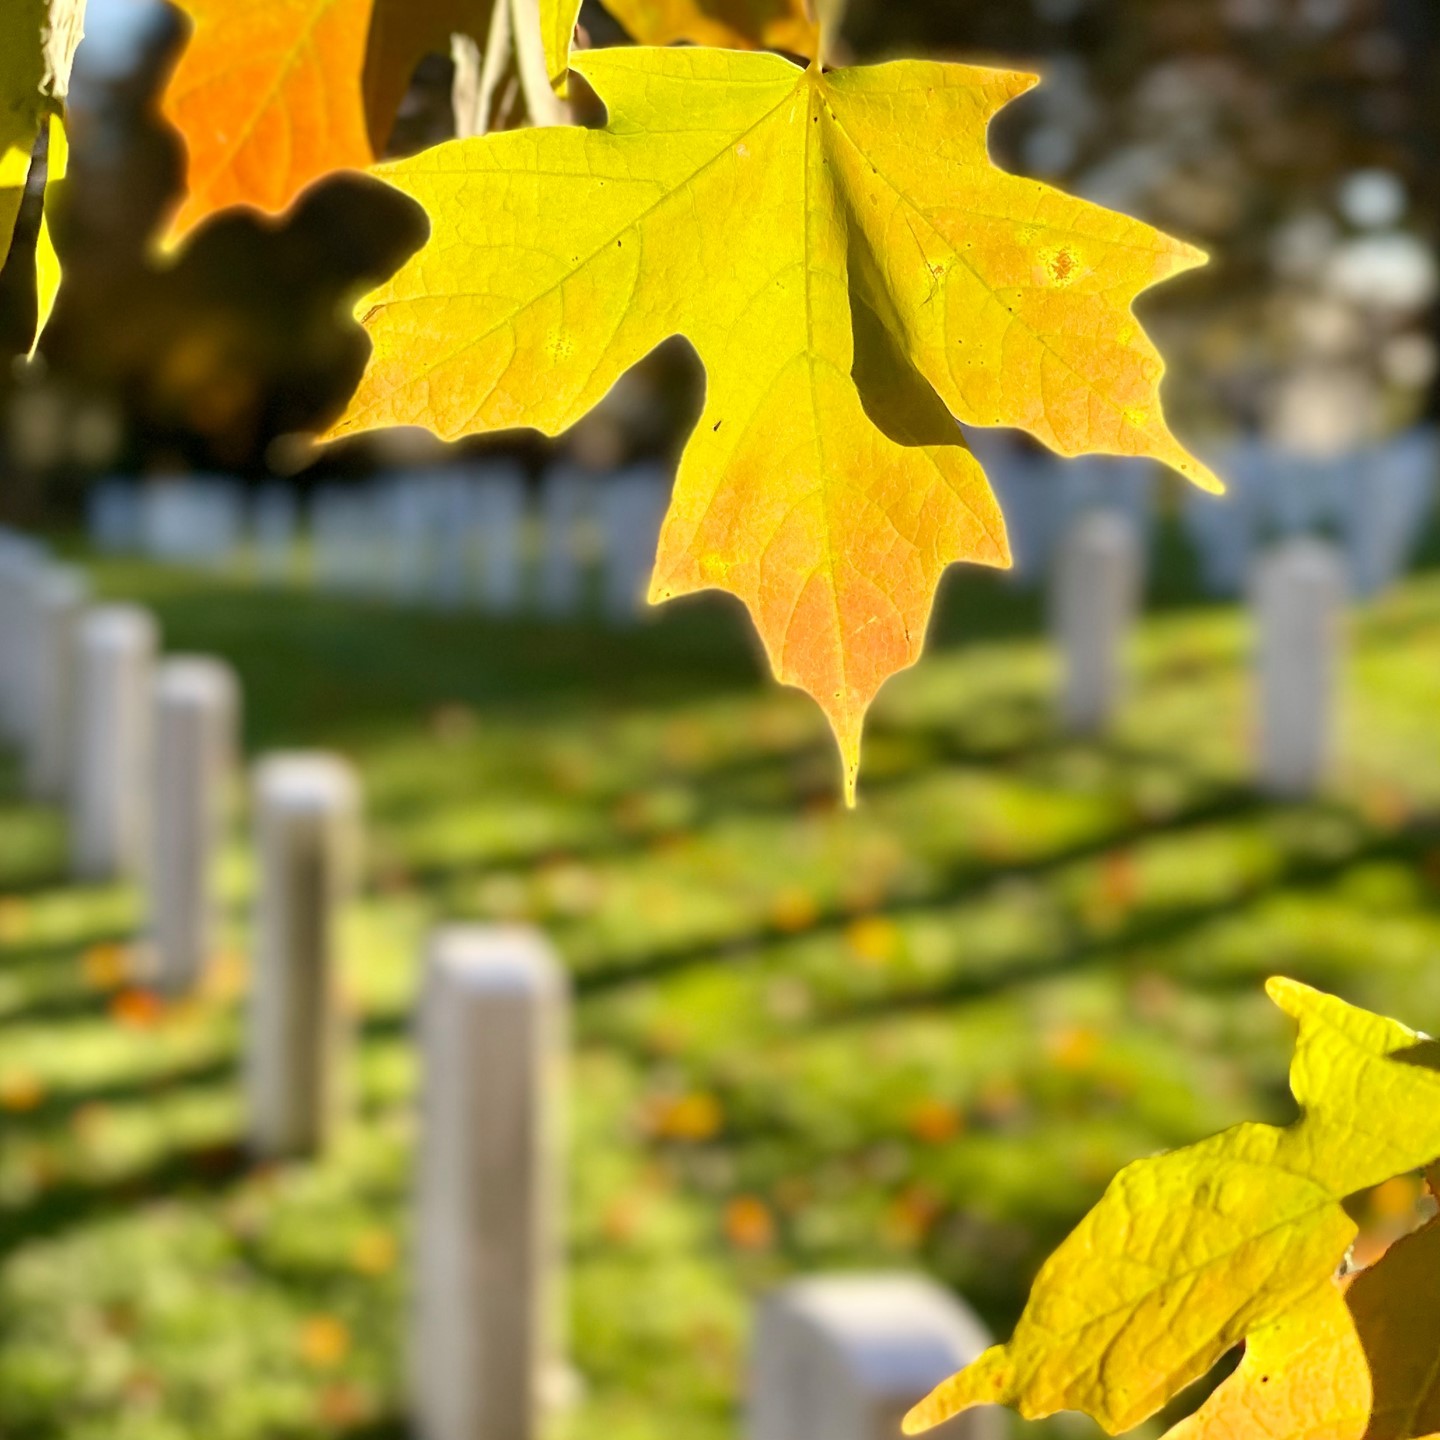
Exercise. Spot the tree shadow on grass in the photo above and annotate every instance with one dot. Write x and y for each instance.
(205, 1169)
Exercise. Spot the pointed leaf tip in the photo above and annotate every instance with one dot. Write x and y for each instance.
(875, 292)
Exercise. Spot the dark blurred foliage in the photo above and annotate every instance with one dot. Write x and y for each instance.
(1234, 123)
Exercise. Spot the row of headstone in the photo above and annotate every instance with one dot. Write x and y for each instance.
(148, 777)
(457, 539)
(449, 539)
(1374, 505)
(1298, 598)
(192, 520)
(839, 1357)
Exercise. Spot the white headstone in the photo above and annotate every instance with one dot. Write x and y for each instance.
(494, 1023)
(1386, 507)
(22, 561)
(324, 537)
(1097, 586)
(405, 506)
(1224, 529)
(498, 517)
(1025, 482)
(274, 523)
(630, 507)
(307, 824)
(844, 1357)
(1299, 598)
(197, 703)
(448, 583)
(58, 601)
(565, 495)
(108, 821)
(113, 516)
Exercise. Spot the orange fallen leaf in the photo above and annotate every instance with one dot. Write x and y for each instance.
(1073, 1048)
(138, 1009)
(106, 966)
(375, 1252)
(695, 1117)
(324, 1342)
(935, 1122)
(874, 939)
(749, 1225)
(21, 1091)
(794, 910)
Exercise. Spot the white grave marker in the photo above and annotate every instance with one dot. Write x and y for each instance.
(1386, 507)
(58, 601)
(406, 512)
(1299, 600)
(630, 507)
(498, 518)
(494, 1029)
(22, 561)
(307, 824)
(274, 521)
(448, 584)
(565, 494)
(197, 703)
(108, 821)
(113, 516)
(844, 1357)
(1097, 586)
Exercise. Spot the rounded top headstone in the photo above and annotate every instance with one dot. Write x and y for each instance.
(61, 585)
(121, 627)
(195, 680)
(307, 782)
(513, 959)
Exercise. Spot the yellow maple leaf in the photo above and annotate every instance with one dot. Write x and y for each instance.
(269, 98)
(558, 19)
(47, 261)
(1189, 1253)
(848, 263)
(38, 40)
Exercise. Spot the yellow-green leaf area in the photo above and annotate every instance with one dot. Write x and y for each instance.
(38, 40)
(1188, 1253)
(851, 295)
(558, 19)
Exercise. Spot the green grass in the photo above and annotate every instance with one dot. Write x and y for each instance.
(924, 1034)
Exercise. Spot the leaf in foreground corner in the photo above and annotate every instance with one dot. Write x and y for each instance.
(38, 40)
(270, 97)
(848, 264)
(1187, 1254)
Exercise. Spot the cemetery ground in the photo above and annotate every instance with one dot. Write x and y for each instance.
(923, 1034)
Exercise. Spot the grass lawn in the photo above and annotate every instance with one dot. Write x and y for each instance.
(923, 1034)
